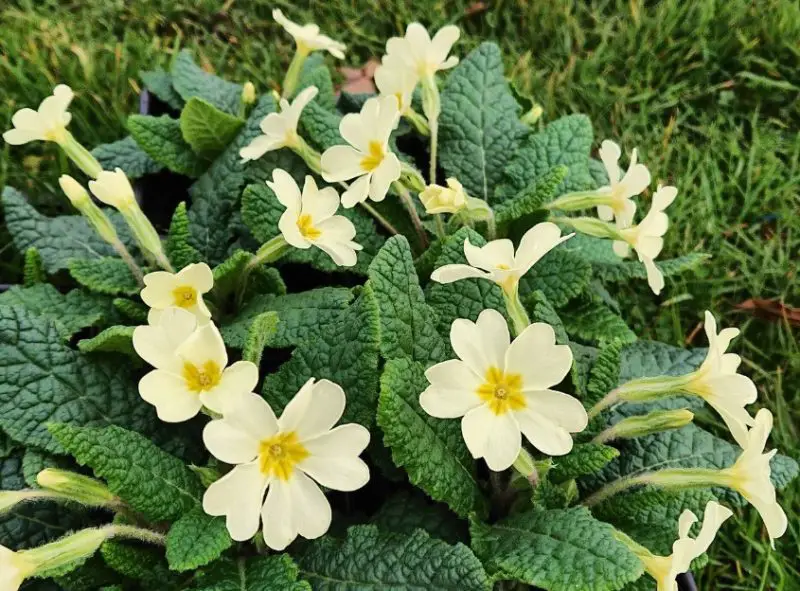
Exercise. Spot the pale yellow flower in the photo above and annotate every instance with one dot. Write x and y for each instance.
(449, 199)
(308, 38)
(48, 123)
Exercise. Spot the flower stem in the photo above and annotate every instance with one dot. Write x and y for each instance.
(128, 258)
(418, 121)
(434, 127)
(674, 478)
(440, 230)
(80, 156)
(515, 309)
(269, 252)
(578, 200)
(405, 197)
(293, 72)
(379, 218)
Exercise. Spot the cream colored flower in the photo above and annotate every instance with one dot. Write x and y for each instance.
(48, 123)
(419, 53)
(497, 261)
(398, 82)
(308, 38)
(750, 476)
(621, 188)
(368, 158)
(183, 289)
(309, 218)
(14, 569)
(502, 389)
(191, 372)
(646, 238)
(665, 569)
(288, 458)
(717, 382)
(449, 199)
(113, 188)
(280, 129)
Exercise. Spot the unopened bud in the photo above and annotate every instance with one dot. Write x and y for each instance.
(78, 487)
(653, 422)
(533, 115)
(114, 188)
(57, 557)
(449, 199)
(74, 191)
(248, 93)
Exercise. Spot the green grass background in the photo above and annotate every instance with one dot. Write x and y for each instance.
(709, 91)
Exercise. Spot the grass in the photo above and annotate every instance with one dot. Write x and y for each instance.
(708, 91)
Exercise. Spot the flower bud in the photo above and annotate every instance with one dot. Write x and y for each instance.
(14, 569)
(248, 93)
(78, 487)
(58, 557)
(74, 191)
(113, 188)
(438, 199)
(533, 115)
(653, 422)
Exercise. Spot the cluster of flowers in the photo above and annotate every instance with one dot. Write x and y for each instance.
(499, 389)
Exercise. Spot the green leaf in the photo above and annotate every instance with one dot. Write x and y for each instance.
(163, 141)
(178, 247)
(115, 339)
(541, 310)
(320, 126)
(159, 83)
(130, 310)
(150, 480)
(650, 515)
(560, 275)
(431, 450)
(532, 198)
(42, 380)
(207, 129)
(259, 573)
(345, 352)
(195, 540)
(215, 195)
(466, 298)
(300, 315)
(585, 458)
(57, 239)
(604, 375)
(408, 329)
(559, 550)
(261, 211)
(190, 80)
(29, 525)
(262, 329)
(583, 358)
(139, 561)
(71, 312)
(607, 266)
(592, 321)
(33, 272)
(370, 559)
(127, 155)
(316, 73)
(405, 512)
(91, 575)
(109, 275)
(479, 127)
(566, 141)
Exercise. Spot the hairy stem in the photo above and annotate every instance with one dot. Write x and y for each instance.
(408, 202)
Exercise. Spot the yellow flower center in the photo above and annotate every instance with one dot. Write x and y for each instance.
(184, 296)
(278, 455)
(56, 134)
(502, 391)
(306, 226)
(374, 158)
(202, 379)
(658, 567)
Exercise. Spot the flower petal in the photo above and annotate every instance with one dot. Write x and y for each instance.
(535, 355)
(654, 277)
(609, 154)
(314, 409)
(168, 393)
(198, 275)
(481, 344)
(560, 409)
(451, 273)
(259, 146)
(238, 495)
(544, 434)
(382, 177)
(254, 416)
(229, 443)
(287, 224)
(357, 192)
(204, 344)
(334, 461)
(536, 243)
(354, 131)
(341, 163)
(496, 438)
(320, 204)
(453, 390)
(278, 520)
(157, 292)
(311, 510)
(489, 257)
(285, 189)
(157, 345)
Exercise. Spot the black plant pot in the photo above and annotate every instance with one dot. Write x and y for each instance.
(686, 582)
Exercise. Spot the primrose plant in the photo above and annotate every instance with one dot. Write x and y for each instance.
(374, 347)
